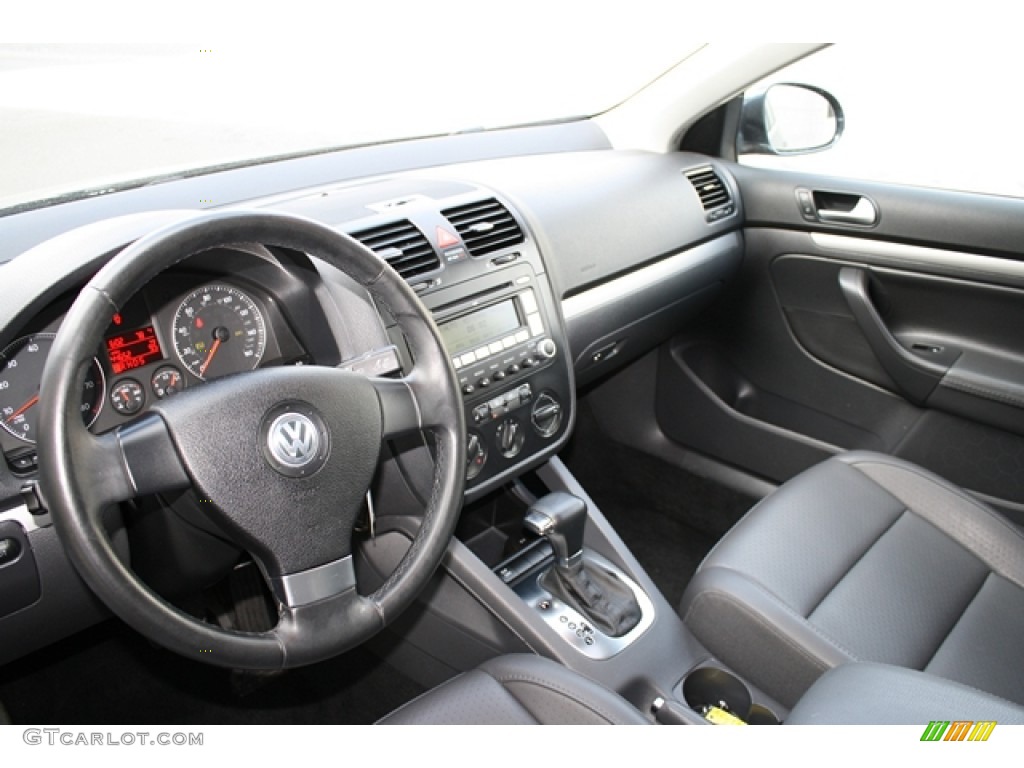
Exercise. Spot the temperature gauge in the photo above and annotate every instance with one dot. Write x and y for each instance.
(167, 381)
(127, 397)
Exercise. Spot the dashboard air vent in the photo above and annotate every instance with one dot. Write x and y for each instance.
(402, 246)
(484, 227)
(713, 193)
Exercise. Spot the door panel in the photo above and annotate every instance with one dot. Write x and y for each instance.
(903, 337)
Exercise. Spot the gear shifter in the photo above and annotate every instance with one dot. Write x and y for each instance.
(596, 593)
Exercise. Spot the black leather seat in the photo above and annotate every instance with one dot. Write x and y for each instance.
(518, 690)
(530, 690)
(865, 558)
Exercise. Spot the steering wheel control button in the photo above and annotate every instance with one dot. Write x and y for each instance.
(295, 440)
(127, 397)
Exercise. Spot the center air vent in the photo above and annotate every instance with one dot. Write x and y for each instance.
(484, 227)
(713, 193)
(402, 246)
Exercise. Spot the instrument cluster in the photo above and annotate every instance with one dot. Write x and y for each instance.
(179, 333)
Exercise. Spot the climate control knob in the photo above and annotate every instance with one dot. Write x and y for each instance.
(546, 415)
(476, 455)
(510, 436)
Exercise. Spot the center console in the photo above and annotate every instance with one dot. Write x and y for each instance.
(504, 336)
(534, 567)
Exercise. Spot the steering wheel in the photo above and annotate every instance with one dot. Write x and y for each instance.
(285, 455)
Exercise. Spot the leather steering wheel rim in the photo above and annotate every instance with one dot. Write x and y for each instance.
(81, 474)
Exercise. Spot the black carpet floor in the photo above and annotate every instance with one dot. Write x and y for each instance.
(668, 517)
(111, 675)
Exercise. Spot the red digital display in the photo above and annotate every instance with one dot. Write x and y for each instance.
(133, 349)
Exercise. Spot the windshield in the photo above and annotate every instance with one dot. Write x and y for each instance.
(85, 119)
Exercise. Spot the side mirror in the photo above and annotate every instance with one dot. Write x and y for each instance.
(789, 119)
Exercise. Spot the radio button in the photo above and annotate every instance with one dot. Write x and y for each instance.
(482, 353)
(522, 336)
(469, 389)
(529, 301)
(508, 341)
(529, 362)
(536, 326)
(514, 368)
(457, 363)
(499, 375)
(484, 382)
(468, 359)
(496, 348)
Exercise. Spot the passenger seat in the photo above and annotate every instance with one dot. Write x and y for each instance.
(865, 558)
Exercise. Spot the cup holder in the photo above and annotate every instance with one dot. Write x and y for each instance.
(761, 715)
(712, 687)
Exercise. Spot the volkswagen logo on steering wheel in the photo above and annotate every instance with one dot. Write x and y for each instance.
(294, 439)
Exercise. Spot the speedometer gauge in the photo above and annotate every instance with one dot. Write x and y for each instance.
(218, 330)
(21, 371)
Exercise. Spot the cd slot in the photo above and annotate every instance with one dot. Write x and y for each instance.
(469, 301)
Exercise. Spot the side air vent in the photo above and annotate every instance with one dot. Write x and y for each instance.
(713, 193)
(402, 246)
(484, 227)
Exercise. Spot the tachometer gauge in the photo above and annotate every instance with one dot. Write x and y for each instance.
(21, 371)
(218, 330)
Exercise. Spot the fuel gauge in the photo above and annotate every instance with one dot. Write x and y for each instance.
(167, 381)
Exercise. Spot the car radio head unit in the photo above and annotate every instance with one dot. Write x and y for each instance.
(497, 339)
(469, 332)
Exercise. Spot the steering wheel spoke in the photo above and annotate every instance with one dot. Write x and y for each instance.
(411, 404)
(131, 461)
(399, 407)
(314, 584)
(149, 458)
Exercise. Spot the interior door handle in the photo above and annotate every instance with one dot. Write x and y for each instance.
(863, 213)
(915, 377)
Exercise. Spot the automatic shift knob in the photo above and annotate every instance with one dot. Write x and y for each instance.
(560, 518)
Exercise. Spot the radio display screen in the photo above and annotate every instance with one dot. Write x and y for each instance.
(472, 330)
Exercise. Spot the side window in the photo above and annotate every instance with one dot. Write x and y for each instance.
(927, 115)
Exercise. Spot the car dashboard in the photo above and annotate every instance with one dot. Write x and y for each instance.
(542, 272)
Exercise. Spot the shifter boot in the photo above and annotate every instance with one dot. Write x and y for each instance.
(597, 594)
